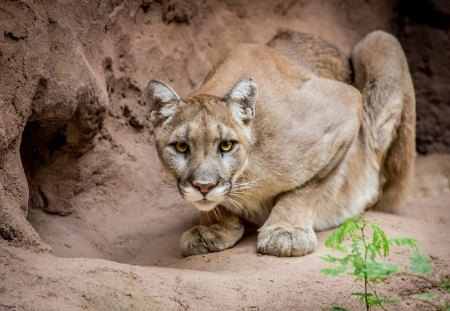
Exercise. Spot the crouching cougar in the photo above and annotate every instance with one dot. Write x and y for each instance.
(290, 136)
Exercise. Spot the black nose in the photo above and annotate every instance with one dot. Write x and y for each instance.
(204, 187)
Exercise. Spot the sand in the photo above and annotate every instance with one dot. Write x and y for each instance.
(141, 267)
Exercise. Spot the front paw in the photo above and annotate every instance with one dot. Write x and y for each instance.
(202, 240)
(285, 241)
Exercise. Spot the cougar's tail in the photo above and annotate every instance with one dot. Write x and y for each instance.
(388, 129)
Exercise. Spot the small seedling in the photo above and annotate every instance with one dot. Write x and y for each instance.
(363, 243)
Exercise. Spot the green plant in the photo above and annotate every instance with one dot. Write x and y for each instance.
(363, 243)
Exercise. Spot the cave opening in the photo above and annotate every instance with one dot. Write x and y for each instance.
(40, 140)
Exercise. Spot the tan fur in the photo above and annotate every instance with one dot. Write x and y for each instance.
(382, 76)
(309, 149)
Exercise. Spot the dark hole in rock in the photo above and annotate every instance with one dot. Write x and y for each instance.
(45, 152)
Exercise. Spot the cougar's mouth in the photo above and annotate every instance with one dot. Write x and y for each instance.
(205, 201)
(205, 205)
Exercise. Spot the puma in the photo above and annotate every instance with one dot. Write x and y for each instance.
(290, 137)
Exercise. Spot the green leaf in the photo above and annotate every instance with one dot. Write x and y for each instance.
(374, 301)
(381, 269)
(379, 240)
(420, 263)
(332, 259)
(337, 237)
(356, 247)
(333, 271)
(445, 283)
(350, 268)
(361, 294)
(359, 265)
(412, 243)
(372, 252)
(338, 309)
(430, 295)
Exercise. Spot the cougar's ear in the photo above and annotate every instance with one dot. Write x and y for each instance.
(242, 98)
(163, 100)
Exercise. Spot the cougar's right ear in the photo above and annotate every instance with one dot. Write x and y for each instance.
(242, 98)
(163, 100)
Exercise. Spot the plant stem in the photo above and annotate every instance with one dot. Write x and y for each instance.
(376, 296)
(365, 291)
(365, 262)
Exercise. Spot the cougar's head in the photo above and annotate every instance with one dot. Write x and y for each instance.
(203, 141)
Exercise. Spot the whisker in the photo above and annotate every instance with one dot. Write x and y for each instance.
(250, 181)
(175, 199)
(228, 200)
(169, 187)
(242, 187)
(247, 184)
(235, 199)
(169, 183)
(235, 203)
(215, 213)
(240, 192)
(243, 195)
(209, 218)
(239, 196)
(207, 214)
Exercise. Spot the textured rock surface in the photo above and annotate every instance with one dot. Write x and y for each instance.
(423, 28)
(46, 80)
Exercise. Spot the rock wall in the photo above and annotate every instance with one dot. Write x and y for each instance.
(423, 28)
(74, 133)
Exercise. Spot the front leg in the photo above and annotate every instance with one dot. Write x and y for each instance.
(289, 229)
(217, 231)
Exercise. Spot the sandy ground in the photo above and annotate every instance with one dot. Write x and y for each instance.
(153, 276)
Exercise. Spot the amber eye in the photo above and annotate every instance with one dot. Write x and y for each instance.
(226, 146)
(181, 147)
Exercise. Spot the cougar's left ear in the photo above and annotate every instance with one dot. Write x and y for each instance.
(163, 100)
(242, 98)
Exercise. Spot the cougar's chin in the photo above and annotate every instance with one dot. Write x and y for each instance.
(205, 205)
